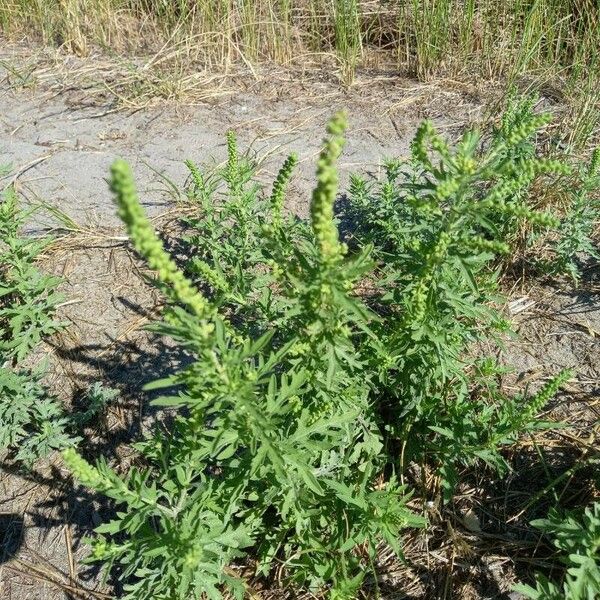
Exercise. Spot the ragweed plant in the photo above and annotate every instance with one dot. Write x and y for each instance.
(28, 298)
(278, 193)
(148, 245)
(33, 422)
(312, 366)
(574, 241)
(267, 442)
(223, 265)
(577, 536)
(437, 224)
(321, 207)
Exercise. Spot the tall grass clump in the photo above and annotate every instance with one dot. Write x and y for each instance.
(481, 37)
(321, 363)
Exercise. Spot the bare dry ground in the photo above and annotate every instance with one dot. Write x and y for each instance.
(61, 129)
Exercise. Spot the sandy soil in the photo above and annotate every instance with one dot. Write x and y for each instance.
(61, 145)
(67, 145)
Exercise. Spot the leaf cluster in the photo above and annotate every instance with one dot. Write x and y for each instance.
(33, 422)
(576, 535)
(28, 298)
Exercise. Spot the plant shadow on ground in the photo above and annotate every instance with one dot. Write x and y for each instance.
(63, 503)
(347, 223)
(128, 366)
(11, 535)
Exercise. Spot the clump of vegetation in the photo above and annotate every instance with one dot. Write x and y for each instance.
(575, 239)
(426, 36)
(33, 422)
(280, 426)
(575, 196)
(28, 297)
(577, 536)
(438, 224)
(320, 367)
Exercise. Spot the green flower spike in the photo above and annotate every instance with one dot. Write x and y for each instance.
(146, 242)
(278, 193)
(550, 389)
(85, 473)
(323, 197)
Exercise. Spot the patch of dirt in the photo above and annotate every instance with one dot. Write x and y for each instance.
(565, 322)
(61, 145)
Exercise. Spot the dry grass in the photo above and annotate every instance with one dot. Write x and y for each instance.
(425, 36)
